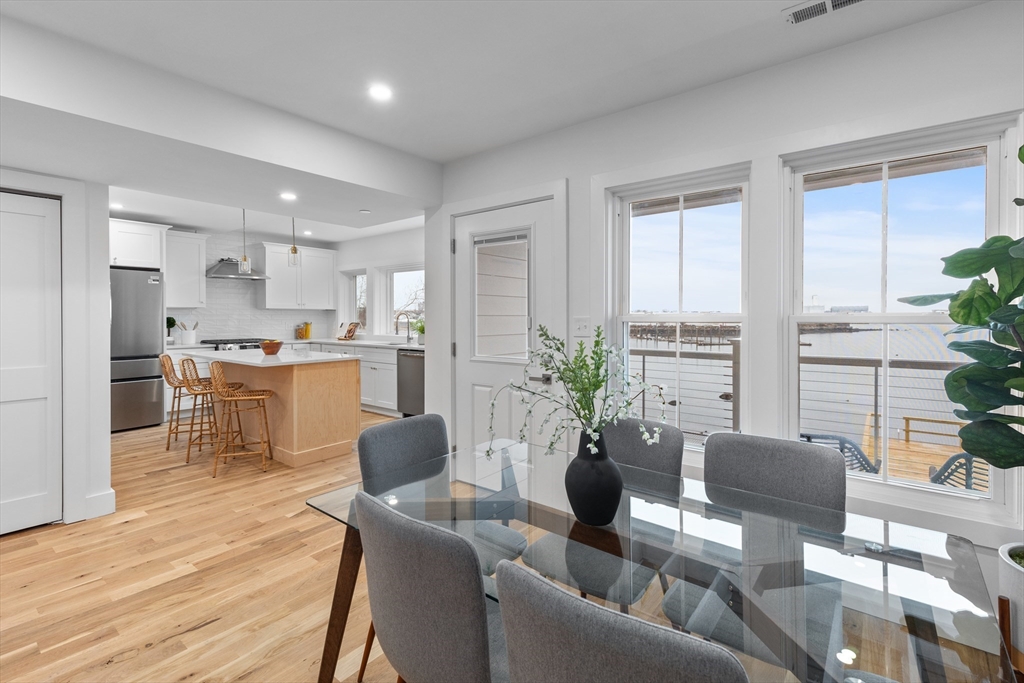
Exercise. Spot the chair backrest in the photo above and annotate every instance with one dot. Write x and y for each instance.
(190, 376)
(553, 636)
(797, 471)
(960, 471)
(398, 444)
(220, 382)
(626, 446)
(426, 596)
(856, 459)
(170, 376)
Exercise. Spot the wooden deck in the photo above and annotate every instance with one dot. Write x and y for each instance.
(912, 461)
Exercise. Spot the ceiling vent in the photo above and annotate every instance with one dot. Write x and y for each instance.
(814, 9)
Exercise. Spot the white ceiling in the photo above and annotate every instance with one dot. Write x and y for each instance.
(206, 217)
(467, 76)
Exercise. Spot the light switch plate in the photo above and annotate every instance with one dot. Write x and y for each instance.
(581, 326)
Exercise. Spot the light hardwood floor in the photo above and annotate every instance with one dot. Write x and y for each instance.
(193, 578)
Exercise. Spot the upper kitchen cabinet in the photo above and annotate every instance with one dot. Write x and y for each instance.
(308, 285)
(185, 274)
(136, 245)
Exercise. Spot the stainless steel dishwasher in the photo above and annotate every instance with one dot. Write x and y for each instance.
(410, 382)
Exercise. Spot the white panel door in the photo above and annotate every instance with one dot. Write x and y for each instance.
(31, 443)
(367, 383)
(505, 286)
(317, 276)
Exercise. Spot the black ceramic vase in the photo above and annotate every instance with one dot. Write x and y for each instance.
(593, 484)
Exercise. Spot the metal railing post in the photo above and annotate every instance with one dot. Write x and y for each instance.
(735, 384)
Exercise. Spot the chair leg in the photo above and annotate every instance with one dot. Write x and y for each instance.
(366, 653)
(170, 418)
(263, 438)
(266, 424)
(191, 428)
(664, 582)
(225, 428)
(623, 608)
(583, 595)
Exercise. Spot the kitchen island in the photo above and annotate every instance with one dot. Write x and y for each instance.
(314, 413)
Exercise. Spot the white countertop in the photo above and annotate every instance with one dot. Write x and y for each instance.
(360, 342)
(257, 358)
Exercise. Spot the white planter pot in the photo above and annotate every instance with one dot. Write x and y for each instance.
(1011, 584)
(421, 339)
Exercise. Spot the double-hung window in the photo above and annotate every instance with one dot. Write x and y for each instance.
(682, 304)
(406, 288)
(869, 369)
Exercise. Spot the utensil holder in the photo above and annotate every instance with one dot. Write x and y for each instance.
(188, 337)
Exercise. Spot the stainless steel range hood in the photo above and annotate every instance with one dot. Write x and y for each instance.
(227, 268)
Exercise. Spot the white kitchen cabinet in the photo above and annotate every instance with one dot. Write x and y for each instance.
(386, 385)
(185, 272)
(308, 285)
(366, 383)
(378, 376)
(137, 245)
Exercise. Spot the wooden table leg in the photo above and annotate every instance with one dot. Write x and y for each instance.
(348, 570)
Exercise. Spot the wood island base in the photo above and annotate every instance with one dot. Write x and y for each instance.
(314, 413)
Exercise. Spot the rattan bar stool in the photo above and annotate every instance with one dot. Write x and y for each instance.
(231, 441)
(202, 427)
(173, 381)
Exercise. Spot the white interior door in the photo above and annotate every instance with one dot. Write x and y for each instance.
(507, 282)
(30, 362)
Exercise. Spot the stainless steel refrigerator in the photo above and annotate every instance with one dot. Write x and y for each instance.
(136, 342)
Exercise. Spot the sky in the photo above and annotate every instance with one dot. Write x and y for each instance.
(930, 216)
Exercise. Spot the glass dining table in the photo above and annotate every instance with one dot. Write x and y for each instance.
(798, 593)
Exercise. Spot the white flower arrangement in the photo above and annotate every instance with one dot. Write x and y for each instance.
(598, 391)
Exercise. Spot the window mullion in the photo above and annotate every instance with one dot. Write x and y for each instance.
(679, 306)
(885, 237)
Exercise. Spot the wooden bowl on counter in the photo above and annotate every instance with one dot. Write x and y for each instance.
(271, 347)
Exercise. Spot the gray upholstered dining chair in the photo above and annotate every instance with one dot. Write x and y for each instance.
(388, 454)
(802, 473)
(427, 598)
(551, 554)
(553, 635)
(796, 471)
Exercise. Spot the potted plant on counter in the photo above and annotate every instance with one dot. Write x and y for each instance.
(420, 328)
(991, 389)
(171, 324)
(596, 391)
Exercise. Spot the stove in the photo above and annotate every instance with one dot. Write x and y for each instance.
(232, 344)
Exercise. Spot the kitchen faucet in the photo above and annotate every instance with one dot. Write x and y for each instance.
(408, 326)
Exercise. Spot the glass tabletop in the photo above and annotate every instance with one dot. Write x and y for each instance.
(797, 592)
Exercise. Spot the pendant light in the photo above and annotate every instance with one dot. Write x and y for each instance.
(244, 266)
(293, 254)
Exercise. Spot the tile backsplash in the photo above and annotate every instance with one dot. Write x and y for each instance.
(231, 305)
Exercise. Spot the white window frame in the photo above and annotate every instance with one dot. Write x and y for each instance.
(387, 309)
(352, 298)
(1000, 134)
(737, 177)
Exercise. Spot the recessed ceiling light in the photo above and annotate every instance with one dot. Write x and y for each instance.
(364, 211)
(288, 196)
(380, 92)
(306, 232)
(116, 206)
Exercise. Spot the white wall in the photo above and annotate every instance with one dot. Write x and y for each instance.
(85, 298)
(956, 67)
(231, 309)
(376, 256)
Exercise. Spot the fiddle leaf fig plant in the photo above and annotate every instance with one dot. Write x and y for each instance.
(993, 301)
